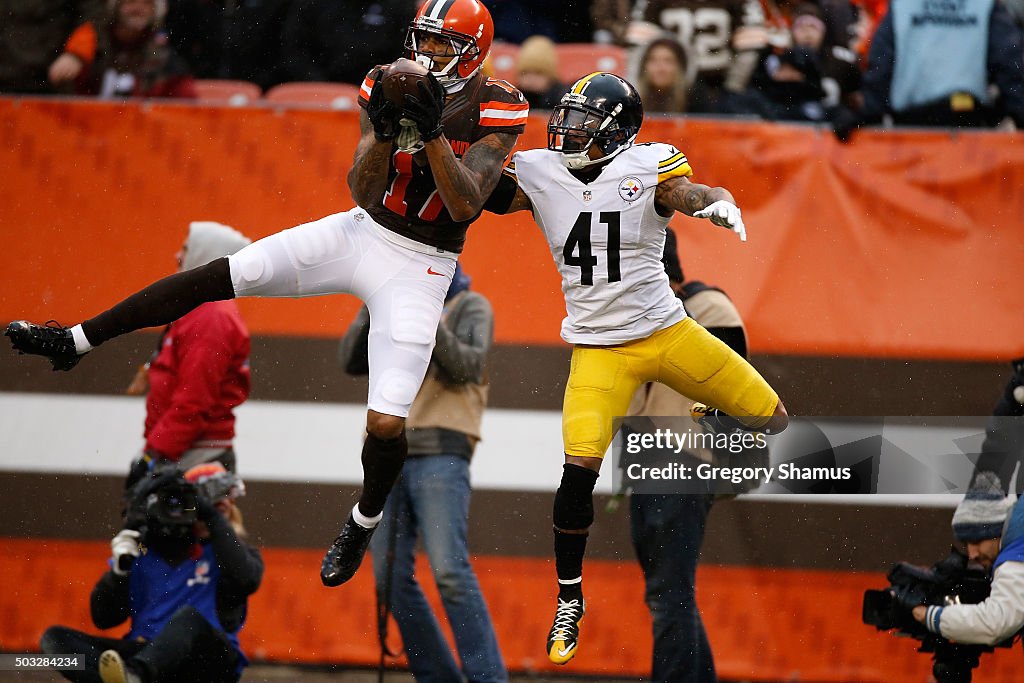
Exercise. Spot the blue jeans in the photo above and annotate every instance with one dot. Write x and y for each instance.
(667, 533)
(431, 501)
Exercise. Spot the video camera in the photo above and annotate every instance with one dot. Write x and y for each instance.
(162, 507)
(949, 581)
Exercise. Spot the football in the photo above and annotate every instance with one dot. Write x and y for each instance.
(400, 78)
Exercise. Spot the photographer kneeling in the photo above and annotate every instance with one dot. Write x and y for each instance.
(997, 544)
(183, 578)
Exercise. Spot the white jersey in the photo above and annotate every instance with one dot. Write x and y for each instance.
(607, 240)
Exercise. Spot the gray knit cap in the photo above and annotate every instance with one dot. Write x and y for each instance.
(208, 241)
(983, 511)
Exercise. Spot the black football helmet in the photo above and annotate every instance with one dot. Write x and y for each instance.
(601, 110)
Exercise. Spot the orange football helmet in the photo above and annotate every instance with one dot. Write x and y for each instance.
(459, 31)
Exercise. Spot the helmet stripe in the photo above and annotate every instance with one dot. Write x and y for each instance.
(582, 83)
(438, 9)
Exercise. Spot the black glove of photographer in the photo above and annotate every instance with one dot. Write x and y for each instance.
(425, 110)
(382, 114)
(205, 509)
(908, 597)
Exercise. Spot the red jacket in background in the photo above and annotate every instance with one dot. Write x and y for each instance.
(199, 375)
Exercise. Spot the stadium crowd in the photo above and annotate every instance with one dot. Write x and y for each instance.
(826, 61)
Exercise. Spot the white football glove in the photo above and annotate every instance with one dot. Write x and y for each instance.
(725, 214)
(125, 548)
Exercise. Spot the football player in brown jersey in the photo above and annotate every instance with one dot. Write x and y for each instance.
(420, 176)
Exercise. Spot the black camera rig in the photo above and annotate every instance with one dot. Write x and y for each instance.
(949, 581)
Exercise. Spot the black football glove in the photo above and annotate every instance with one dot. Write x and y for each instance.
(425, 109)
(382, 114)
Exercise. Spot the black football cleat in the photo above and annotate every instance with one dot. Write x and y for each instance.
(565, 632)
(52, 340)
(345, 554)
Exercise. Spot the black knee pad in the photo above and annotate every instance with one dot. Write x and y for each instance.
(574, 500)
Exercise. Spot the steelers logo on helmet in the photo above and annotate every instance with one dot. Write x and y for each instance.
(596, 120)
(451, 38)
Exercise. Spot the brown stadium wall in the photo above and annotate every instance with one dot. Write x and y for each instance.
(880, 279)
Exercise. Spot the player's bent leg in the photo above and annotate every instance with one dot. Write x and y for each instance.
(160, 303)
(698, 365)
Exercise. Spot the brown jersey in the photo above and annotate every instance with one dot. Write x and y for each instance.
(707, 28)
(412, 206)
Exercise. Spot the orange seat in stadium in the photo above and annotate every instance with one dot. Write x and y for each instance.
(340, 96)
(579, 59)
(502, 61)
(235, 93)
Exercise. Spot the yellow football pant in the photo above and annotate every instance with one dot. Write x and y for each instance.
(685, 357)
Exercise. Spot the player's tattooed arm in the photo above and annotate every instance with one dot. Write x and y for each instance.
(368, 177)
(682, 194)
(465, 185)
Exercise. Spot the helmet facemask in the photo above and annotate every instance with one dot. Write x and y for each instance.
(575, 126)
(460, 49)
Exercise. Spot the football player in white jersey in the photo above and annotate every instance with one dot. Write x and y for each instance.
(603, 204)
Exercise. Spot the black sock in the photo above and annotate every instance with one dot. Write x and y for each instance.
(573, 512)
(382, 463)
(163, 302)
(569, 551)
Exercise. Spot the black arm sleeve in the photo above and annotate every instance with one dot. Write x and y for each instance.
(109, 605)
(504, 192)
(240, 564)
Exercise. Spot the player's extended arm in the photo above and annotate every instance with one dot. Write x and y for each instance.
(700, 201)
(368, 178)
(465, 185)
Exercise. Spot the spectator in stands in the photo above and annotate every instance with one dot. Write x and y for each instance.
(839, 18)
(230, 39)
(840, 74)
(724, 56)
(787, 87)
(431, 498)
(805, 81)
(537, 68)
(199, 372)
(663, 81)
(186, 595)
(327, 40)
(126, 55)
(33, 34)
(949, 54)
